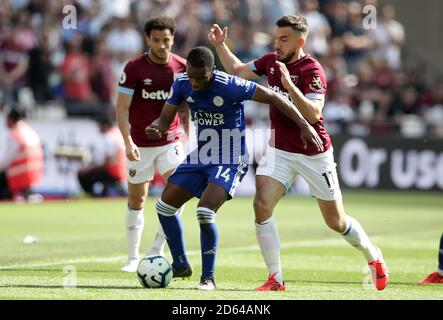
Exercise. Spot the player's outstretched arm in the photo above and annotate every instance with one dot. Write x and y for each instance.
(307, 132)
(122, 114)
(231, 63)
(156, 129)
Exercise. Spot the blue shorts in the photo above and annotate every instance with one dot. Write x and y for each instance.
(196, 177)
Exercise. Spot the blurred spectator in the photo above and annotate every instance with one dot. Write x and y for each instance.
(405, 103)
(339, 112)
(188, 29)
(249, 48)
(108, 177)
(76, 72)
(335, 68)
(40, 70)
(14, 62)
(21, 165)
(123, 40)
(389, 36)
(364, 65)
(337, 14)
(357, 42)
(102, 78)
(274, 10)
(25, 36)
(319, 30)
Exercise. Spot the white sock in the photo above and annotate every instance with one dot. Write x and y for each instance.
(134, 230)
(269, 242)
(357, 237)
(440, 272)
(159, 242)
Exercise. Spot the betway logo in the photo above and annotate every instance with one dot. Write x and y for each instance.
(156, 95)
(278, 90)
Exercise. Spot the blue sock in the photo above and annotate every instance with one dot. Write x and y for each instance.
(173, 229)
(440, 254)
(208, 240)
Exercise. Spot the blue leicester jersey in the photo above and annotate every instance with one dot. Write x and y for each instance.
(218, 115)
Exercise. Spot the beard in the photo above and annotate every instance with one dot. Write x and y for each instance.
(160, 55)
(287, 58)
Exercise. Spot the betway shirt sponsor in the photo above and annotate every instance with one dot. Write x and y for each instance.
(308, 75)
(217, 112)
(149, 84)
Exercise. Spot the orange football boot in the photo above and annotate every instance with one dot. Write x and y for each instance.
(379, 272)
(271, 284)
(432, 278)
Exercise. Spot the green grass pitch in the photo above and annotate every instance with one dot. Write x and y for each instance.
(85, 240)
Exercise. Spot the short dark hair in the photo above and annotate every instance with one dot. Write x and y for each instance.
(201, 57)
(16, 115)
(160, 23)
(297, 23)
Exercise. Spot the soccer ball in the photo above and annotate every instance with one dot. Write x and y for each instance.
(154, 272)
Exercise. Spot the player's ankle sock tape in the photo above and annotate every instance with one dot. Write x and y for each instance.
(205, 215)
(348, 225)
(165, 209)
(135, 211)
(264, 222)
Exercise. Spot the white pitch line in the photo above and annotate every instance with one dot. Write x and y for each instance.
(65, 262)
(286, 245)
(323, 242)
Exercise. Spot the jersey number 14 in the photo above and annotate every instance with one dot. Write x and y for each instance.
(224, 175)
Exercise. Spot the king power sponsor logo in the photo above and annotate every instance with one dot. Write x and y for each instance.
(212, 119)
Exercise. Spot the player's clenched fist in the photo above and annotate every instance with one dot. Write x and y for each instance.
(153, 132)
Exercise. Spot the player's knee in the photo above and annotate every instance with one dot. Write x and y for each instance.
(263, 210)
(212, 203)
(137, 198)
(136, 201)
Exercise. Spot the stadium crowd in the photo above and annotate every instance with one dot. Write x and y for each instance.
(370, 90)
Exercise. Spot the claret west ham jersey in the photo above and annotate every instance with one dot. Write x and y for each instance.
(149, 84)
(308, 75)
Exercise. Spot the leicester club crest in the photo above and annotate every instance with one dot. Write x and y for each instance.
(218, 101)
